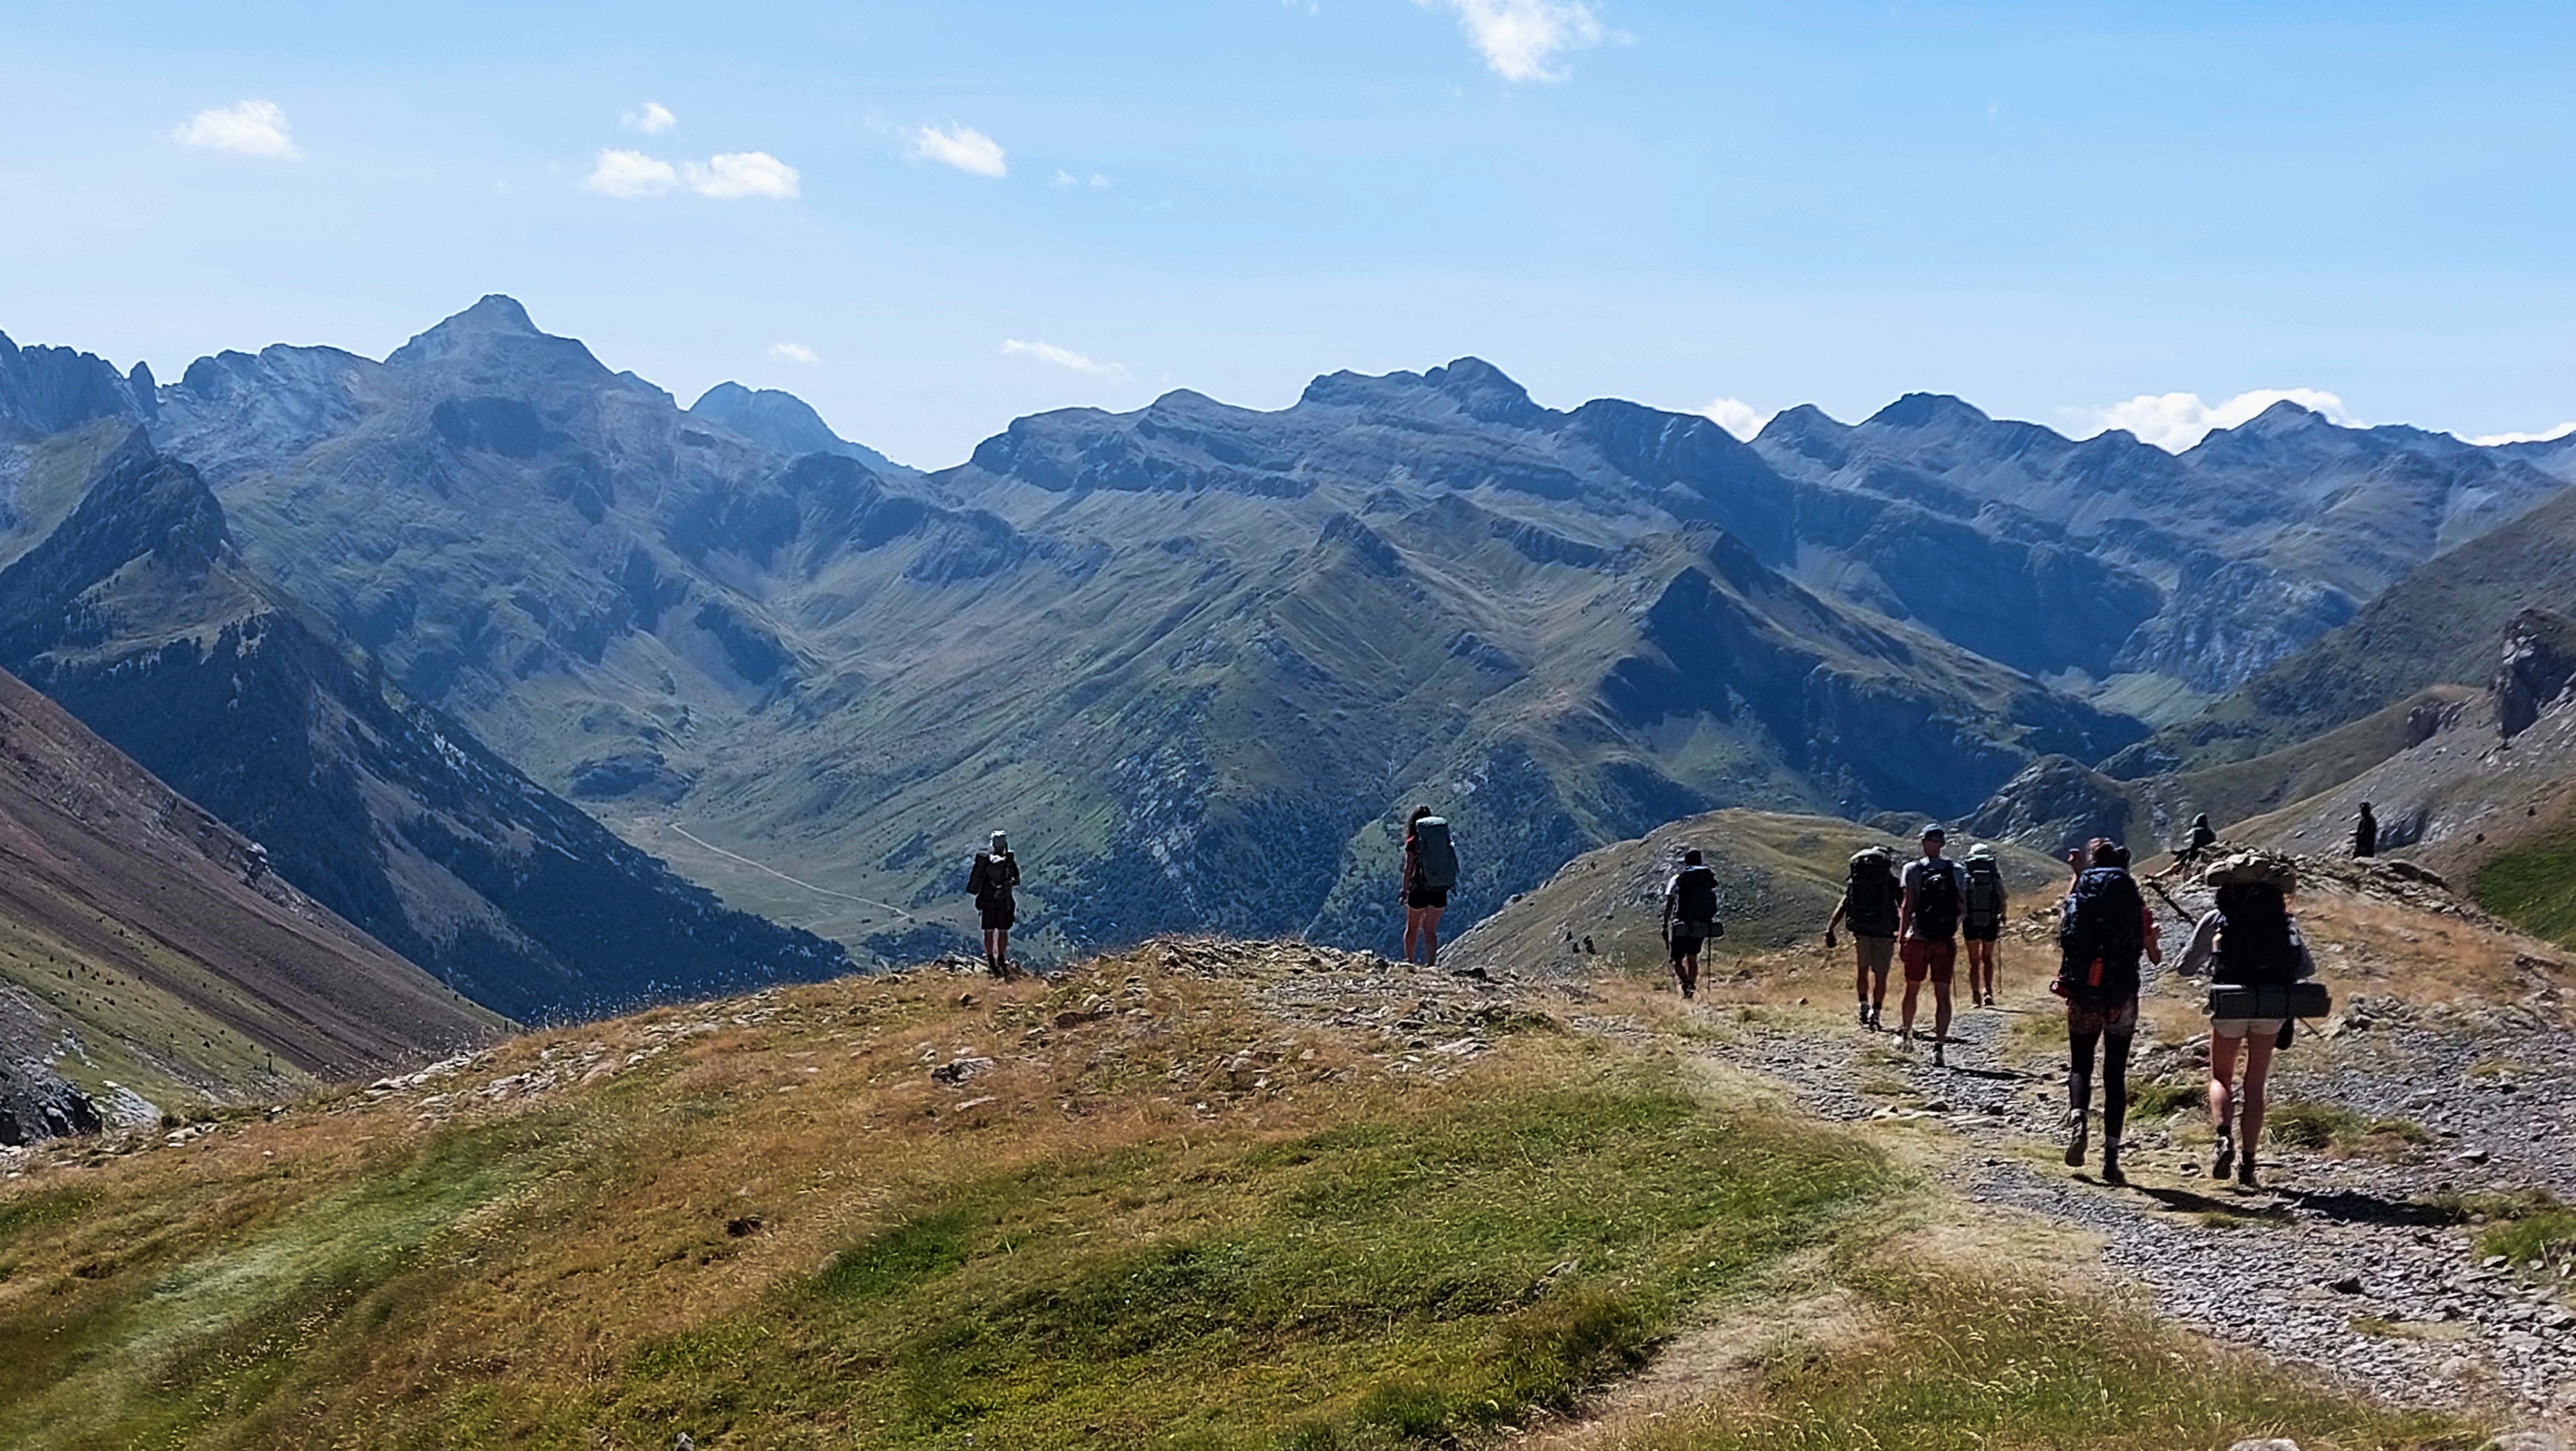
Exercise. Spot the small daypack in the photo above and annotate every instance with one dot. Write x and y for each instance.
(1870, 893)
(1695, 895)
(1985, 904)
(1936, 900)
(2101, 937)
(1434, 854)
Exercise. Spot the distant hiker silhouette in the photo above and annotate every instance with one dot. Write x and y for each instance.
(1869, 908)
(2365, 833)
(992, 880)
(1430, 870)
(1927, 934)
(1690, 918)
(2203, 835)
(2103, 930)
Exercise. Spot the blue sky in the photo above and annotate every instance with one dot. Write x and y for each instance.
(2055, 210)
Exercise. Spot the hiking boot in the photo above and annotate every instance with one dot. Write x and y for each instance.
(2111, 1174)
(2078, 1132)
(2222, 1160)
(2245, 1172)
(1864, 1017)
(1938, 1060)
(1905, 1040)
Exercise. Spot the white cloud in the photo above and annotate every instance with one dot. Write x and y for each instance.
(1521, 39)
(1063, 177)
(730, 175)
(630, 174)
(1736, 416)
(652, 118)
(794, 353)
(726, 176)
(1062, 358)
(253, 128)
(2175, 421)
(2490, 440)
(963, 147)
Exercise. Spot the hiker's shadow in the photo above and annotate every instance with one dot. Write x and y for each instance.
(2353, 1206)
(2000, 1075)
(2192, 1201)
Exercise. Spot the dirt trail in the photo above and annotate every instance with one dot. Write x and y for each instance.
(2356, 1260)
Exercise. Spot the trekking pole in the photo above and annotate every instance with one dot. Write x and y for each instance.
(2160, 891)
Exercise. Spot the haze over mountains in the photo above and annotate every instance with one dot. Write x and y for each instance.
(1200, 658)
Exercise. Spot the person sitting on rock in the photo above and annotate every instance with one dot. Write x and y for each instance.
(2249, 940)
(1690, 918)
(992, 880)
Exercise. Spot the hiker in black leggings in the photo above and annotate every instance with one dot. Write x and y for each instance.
(2099, 981)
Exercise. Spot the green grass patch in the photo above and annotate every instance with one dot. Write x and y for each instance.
(1404, 1279)
(2326, 1127)
(2151, 1098)
(2533, 887)
(1963, 1363)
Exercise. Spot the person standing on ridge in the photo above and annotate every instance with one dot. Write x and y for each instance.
(1981, 921)
(2365, 834)
(992, 880)
(1690, 918)
(1870, 895)
(1430, 870)
(1927, 931)
(2103, 931)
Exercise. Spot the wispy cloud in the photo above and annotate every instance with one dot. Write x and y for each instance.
(253, 128)
(726, 176)
(731, 175)
(2176, 421)
(630, 174)
(1521, 40)
(2490, 440)
(794, 353)
(1063, 177)
(1737, 416)
(1063, 358)
(652, 118)
(963, 147)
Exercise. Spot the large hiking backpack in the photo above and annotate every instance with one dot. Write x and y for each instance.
(1985, 904)
(1870, 893)
(1435, 856)
(1936, 899)
(1695, 895)
(2101, 937)
(2258, 944)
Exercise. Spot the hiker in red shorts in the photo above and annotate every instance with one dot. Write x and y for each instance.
(1927, 937)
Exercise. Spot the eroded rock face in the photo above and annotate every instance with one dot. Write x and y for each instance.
(35, 1104)
(2054, 802)
(2539, 668)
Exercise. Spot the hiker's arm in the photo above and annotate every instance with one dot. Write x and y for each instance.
(1841, 909)
(2195, 955)
(1905, 913)
(2155, 934)
(975, 878)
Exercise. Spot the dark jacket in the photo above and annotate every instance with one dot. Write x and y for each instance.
(992, 877)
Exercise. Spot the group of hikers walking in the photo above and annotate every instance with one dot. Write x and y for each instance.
(1917, 917)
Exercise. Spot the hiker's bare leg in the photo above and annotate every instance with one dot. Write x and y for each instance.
(1940, 1012)
(1860, 975)
(1905, 1013)
(2249, 1104)
(1431, 937)
(1412, 930)
(2222, 1071)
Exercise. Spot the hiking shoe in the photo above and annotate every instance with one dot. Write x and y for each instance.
(1864, 1016)
(2078, 1132)
(1938, 1061)
(2245, 1172)
(2111, 1174)
(1905, 1040)
(2222, 1161)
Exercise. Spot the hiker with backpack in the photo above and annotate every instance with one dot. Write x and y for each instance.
(2103, 930)
(1927, 931)
(1430, 870)
(1690, 918)
(2365, 834)
(2260, 975)
(1981, 920)
(992, 880)
(1869, 907)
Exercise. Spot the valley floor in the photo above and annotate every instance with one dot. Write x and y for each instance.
(1226, 1194)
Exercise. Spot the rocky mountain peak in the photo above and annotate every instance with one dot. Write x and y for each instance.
(2539, 668)
(46, 389)
(1927, 410)
(497, 331)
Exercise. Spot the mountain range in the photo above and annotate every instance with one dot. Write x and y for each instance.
(1199, 659)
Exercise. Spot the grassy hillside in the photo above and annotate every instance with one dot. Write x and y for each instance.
(1779, 876)
(146, 959)
(1166, 1202)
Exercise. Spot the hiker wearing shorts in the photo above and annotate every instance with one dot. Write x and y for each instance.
(1981, 920)
(1430, 870)
(2104, 928)
(992, 880)
(2248, 941)
(1868, 907)
(1927, 928)
(1690, 918)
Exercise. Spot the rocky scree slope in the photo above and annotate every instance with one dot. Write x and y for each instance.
(149, 957)
(135, 610)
